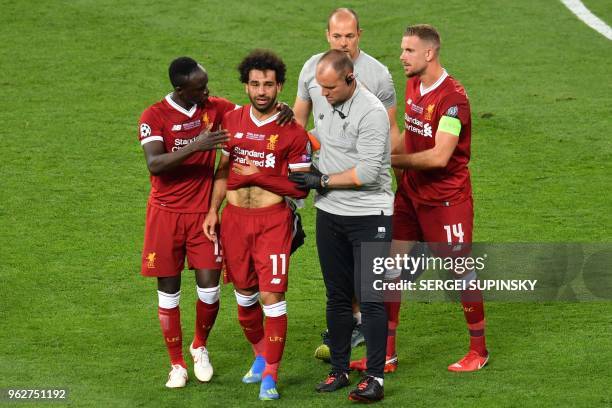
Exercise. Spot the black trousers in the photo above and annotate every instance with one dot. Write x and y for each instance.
(339, 240)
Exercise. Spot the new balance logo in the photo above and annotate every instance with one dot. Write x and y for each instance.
(382, 231)
(275, 281)
(239, 135)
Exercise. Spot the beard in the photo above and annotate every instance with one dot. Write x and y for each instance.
(415, 73)
(267, 108)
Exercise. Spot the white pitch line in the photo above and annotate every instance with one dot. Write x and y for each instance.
(590, 19)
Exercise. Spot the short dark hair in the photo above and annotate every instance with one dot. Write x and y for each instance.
(343, 10)
(262, 60)
(180, 70)
(339, 61)
(425, 32)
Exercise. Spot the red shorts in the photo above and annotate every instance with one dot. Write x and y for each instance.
(169, 237)
(418, 222)
(257, 244)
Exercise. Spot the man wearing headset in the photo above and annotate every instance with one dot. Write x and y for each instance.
(343, 33)
(354, 206)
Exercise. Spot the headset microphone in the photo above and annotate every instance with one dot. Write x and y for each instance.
(349, 80)
(342, 115)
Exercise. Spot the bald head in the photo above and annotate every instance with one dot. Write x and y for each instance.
(334, 75)
(337, 61)
(343, 14)
(343, 31)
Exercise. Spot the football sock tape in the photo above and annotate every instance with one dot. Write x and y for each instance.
(209, 295)
(276, 309)
(246, 300)
(168, 300)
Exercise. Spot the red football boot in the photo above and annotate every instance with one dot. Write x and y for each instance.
(472, 361)
(361, 365)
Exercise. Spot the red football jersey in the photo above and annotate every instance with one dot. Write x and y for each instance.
(424, 108)
(186, 188)
(272, 148)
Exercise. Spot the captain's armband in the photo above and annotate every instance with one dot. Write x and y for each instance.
(450, 125)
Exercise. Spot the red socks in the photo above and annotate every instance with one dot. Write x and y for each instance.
(393, 309)
(275, 335)
(251, 321)
(473, 309)
(170, 321)
(206, 314)
(267, 340)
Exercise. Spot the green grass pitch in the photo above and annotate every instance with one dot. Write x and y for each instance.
(74, 311)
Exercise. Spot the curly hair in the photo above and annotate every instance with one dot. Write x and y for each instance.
(262, 60)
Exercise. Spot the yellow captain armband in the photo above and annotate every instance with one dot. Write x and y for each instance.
(450, 125)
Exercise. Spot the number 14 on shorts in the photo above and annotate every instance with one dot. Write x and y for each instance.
(454, 230)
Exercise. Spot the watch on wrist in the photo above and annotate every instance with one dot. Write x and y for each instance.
(324, 180)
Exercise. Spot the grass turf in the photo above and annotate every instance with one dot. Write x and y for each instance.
(75, 313)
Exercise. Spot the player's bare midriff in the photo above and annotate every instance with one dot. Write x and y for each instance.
(252, 197)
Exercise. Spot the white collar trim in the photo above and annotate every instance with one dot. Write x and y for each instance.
(435, 84)
(260, 123)
(189, 113)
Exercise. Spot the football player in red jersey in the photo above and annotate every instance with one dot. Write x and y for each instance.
(179, 136)
(257, 225)
(433, 202)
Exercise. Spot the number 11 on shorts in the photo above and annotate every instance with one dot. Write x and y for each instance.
(274, 259)
(455, 230)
